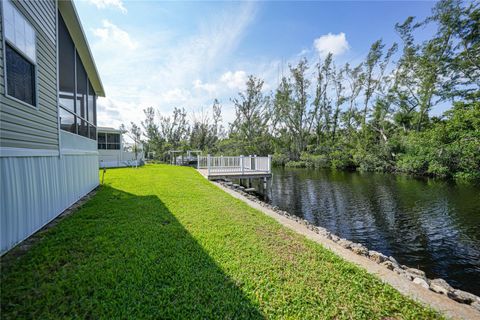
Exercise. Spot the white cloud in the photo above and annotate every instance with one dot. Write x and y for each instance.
(102, 4)
(198, 55)
(176, 96)
(110, 33)
(163, 65)
(208, 87)
(304, 52)
(111, 113)
(331, 43)
(234, 80)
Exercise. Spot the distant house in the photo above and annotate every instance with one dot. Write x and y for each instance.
(48, 128)
(114, 152)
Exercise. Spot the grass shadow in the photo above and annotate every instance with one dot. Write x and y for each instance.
(120, 256)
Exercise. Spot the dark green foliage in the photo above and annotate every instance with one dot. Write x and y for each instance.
(449, 148)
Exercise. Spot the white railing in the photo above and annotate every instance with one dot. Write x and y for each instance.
(240, 164)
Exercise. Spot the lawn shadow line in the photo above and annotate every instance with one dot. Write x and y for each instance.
(121, 256)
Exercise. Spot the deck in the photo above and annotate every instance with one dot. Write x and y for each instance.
(240, 167)
(255, 174)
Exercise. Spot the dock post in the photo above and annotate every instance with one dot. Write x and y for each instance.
(265, 189)
(208, 165)
(269, 163)
(241, 163)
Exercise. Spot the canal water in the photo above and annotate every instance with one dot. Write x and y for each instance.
(427, 224)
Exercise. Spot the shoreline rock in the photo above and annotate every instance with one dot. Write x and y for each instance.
(421, 282)
(376, 256)
(463, 296)
(440, 286)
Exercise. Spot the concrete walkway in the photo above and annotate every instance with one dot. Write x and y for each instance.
(438, 302)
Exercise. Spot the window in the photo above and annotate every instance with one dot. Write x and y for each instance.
(109, 141)
(102, 141)
(20, 57)
(77, 97)
(20, 77)
(113, 141)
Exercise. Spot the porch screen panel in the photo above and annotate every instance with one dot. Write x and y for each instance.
(66, 59)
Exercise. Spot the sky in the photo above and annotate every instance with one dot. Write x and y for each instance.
(167, 54)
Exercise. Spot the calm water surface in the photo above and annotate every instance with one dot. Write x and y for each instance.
(430, 225)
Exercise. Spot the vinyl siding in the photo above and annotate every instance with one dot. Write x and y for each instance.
(23, 126)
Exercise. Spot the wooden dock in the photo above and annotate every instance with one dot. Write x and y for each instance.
(239, 167)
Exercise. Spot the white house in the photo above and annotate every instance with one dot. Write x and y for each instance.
(113, 151)
(48, 119)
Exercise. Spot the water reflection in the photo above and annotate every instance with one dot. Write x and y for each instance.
(428, 224)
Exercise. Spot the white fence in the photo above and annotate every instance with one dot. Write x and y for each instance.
(119, 158)
(240, 164)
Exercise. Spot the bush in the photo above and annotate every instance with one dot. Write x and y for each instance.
(279, 159)
(315, 161)
(341, 159)
(373, 160)
(296, 164)
(450, 148)
(437, 169)
(412, 164)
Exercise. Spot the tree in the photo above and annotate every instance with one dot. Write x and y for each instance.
(458, 35)
(339, 88)
(375, 68)
(174, 129)
(218, 129)
(355, 78)
(450, 148)
(200, 135)
(422, 70)
(205, 131)
(322, 102)
(134, 132)
(152, 135)
(252, 110)
(291, 107)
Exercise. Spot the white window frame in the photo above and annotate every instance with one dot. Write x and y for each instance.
(21, 53)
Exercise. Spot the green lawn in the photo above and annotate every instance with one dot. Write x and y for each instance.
(162, 242)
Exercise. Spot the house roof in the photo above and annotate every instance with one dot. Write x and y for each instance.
(74, 26)
(108, 129)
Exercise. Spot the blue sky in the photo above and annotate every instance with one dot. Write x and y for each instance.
(184, 54)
